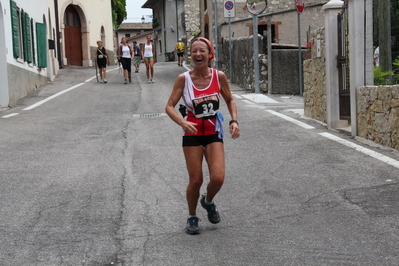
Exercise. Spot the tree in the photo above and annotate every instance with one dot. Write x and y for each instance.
(118, 12)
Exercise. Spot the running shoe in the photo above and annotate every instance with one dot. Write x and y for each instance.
(192, 226)
(105, 81)
(125, 81)
(101, 81)
(149, 81)
(130, 79)
(152, 80)
(213, 214)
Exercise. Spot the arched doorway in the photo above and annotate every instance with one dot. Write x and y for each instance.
(4, 96)
(73, 37)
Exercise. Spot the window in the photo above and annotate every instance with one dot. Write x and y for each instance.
(26, 36)
(127, 35)
(15, 30)
(21, 33)
(33, 41)
(41, 44)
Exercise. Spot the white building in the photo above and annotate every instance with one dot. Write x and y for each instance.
(26, 29)
(38, 37)
(82, 24)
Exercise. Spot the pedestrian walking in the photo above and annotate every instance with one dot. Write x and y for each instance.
(149, 52)
(137, 56)
(200, 89)
(102, 58)
(179, 50)
(125, 53)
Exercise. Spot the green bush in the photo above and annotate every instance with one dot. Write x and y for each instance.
(379, 76)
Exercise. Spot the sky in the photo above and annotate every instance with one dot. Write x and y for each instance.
(135, 12)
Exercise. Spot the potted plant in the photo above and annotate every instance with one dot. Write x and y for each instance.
(309, 50)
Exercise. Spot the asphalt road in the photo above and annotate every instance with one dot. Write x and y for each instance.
(93, 174)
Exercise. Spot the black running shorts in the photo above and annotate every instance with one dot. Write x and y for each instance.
(200, 140)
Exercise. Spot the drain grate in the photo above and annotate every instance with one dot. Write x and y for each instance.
(149, 115)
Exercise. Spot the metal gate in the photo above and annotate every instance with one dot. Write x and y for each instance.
(343, 63)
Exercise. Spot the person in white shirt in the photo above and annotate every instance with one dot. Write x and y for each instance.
(148, 54)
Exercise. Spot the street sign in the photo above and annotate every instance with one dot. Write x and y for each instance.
(300, 5)
(229, 8)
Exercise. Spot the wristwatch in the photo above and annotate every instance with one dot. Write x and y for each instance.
(233, 121)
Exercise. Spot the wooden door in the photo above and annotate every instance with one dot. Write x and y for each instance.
(73, 37)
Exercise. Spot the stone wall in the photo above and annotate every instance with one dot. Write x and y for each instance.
(284, 19)
(378, 114)
(192, 19)
(314, 81)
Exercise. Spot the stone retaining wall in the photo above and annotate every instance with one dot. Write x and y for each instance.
(378, 114)
(314, 81)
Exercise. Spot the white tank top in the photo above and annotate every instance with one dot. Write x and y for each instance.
(148, 50)
(126, 51)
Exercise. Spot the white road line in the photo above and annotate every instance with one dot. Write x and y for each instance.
(51, 97)
(7, 116)
(90, 79)
(366, 151)
(299, 123)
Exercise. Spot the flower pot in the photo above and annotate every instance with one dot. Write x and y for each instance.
(308, 54)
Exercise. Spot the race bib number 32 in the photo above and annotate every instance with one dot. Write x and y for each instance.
(206, 105)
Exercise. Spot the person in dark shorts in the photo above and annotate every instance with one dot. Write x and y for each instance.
(125, 53)
(137, 56)
(101, 55)
(179, 49)
(201, 90)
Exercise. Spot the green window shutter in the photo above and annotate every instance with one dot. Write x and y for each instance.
(23, 27)
(41, 44)
(33, 42)
(15, 33)
(27, 37)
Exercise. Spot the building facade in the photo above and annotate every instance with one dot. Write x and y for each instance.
(168, 25)
(135, 32)
(39, 37)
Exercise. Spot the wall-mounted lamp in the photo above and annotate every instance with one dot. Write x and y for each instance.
(142, 19)
(172, 29)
